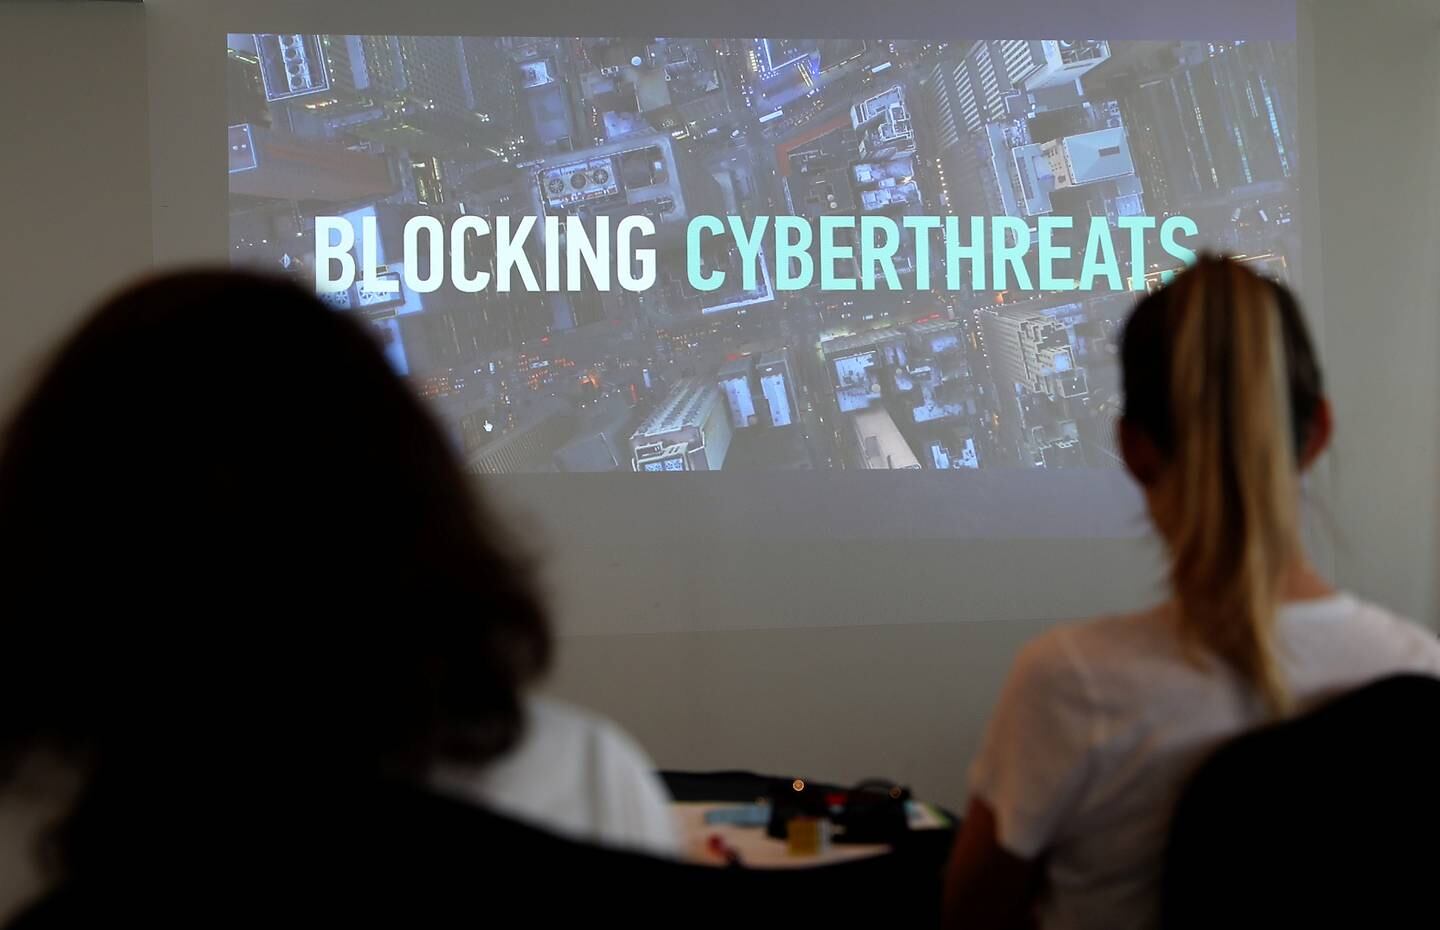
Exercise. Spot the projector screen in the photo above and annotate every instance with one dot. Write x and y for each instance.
(875, 284)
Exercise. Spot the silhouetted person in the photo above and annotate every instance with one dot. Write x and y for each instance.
(255, 606)
(1101, 723)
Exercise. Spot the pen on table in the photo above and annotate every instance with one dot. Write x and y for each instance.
(717, 845)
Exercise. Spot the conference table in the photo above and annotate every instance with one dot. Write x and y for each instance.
(709, 836)
(753, 847)
(724, 817)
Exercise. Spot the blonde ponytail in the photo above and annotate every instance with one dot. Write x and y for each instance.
(1228, 499)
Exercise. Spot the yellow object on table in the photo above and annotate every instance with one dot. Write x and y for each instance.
(756, 848)
(808, 836)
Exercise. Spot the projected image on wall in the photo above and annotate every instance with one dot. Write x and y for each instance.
(748, 376)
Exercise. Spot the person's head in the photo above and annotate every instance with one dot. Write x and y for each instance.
(1224, 409)
(228, 530)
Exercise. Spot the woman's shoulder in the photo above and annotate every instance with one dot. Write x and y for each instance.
(1388, 622)
(1116, 637)
(1099, 665)
(612, 770)
(1361, 630)
(554, 721)
(561, 718)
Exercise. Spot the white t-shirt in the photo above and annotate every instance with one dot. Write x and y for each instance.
(1101, 724)
(576, 774)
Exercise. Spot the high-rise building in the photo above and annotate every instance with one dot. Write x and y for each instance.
(884, 125)
(688, 431)
(291, 65)
(980, 82)
(885, 177)
(777, 386)
(1030, 347)
(1073, 161)
(976, 87)
(635, 175)
(416, 93)
(547, 104)
(409, 125)
(365, 70)
(244, 89)
(856, 364)
(936, 380)
(1065, 452)
(735, 379)
(1098, 435)
(492, 82)
(1222, 120)
(528, 449)
(602, 443)
(1152, 154)
(278, 165)
(519, 315)
(444, 329)
(882, 446)
(436, 73)
(1066, 61)
(453, 332)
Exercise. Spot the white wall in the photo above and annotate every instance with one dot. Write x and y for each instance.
(1377, 88)
(906, 698)
(75, 158)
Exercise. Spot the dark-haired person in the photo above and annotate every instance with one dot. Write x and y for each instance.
(241, 565)
(1101, 723)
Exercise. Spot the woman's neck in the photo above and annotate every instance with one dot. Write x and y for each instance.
(1303, 583)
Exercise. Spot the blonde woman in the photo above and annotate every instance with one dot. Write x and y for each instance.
(1101, 723)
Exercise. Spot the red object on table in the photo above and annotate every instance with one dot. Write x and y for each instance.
(717, 845)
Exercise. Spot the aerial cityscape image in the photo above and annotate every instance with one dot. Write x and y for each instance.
(759, 378)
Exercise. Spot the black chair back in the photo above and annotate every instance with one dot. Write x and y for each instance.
(1329, 819)
(402, 858)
